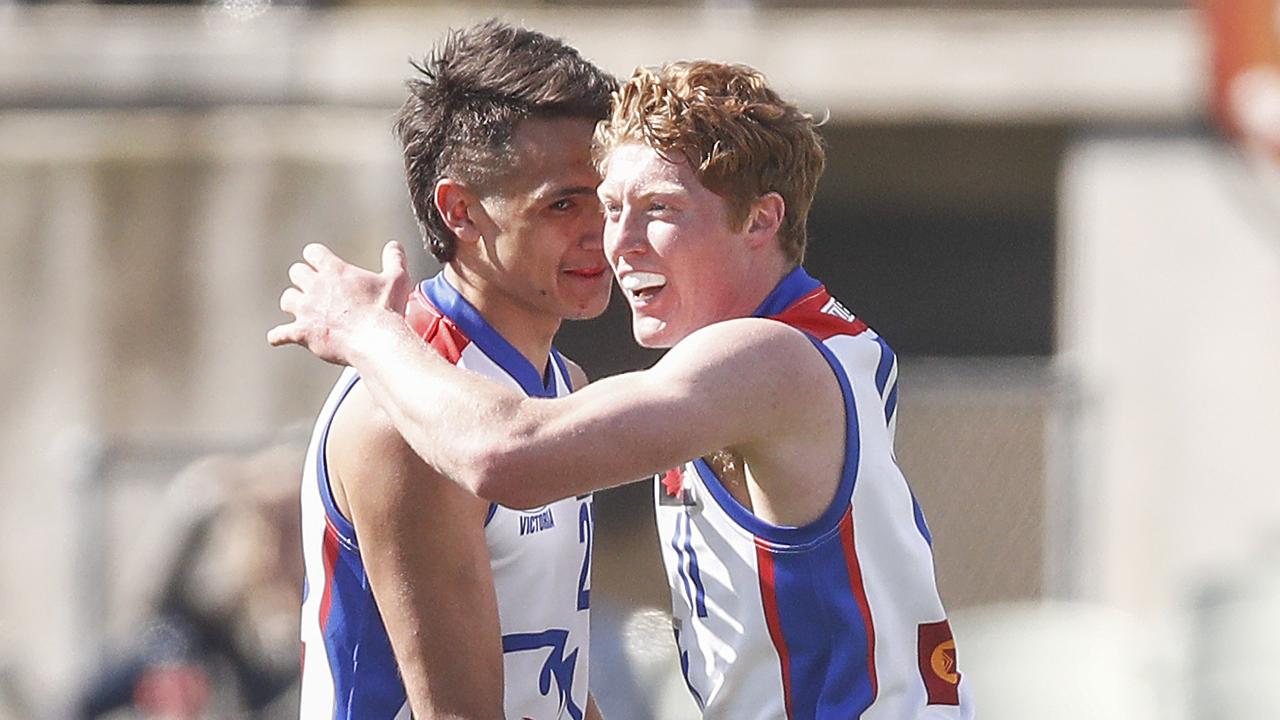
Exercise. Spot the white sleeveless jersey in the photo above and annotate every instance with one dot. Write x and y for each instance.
(541, 559)
(838, 619)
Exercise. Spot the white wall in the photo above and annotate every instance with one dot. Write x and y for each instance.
(1170, 317)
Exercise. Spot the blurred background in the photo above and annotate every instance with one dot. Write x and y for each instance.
(1064, 214)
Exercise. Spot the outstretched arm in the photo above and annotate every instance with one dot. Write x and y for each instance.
(739, 384)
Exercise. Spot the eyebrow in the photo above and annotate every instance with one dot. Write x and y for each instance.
(665, 189)
(564, 192)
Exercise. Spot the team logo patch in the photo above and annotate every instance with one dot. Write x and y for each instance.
(938, 663)
(674, 491)
(834, 308)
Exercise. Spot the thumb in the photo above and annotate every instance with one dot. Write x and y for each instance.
(394, 260)
(395, 267)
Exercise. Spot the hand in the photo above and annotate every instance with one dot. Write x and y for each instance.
(331, 300)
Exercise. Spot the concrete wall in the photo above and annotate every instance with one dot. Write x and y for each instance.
(1170, 319)
(143, 255)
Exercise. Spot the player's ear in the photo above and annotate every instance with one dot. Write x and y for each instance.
(764, 218)
(456, 203)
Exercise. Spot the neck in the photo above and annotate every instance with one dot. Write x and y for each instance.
(529, 332)
(763, 275)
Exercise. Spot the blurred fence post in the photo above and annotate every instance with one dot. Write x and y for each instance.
(89, 453)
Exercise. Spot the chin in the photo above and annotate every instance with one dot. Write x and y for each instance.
(584, 307)
(589, 312)
(652, 333)
(596, 307)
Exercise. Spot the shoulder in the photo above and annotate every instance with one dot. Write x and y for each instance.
(749, 343)
(364, 447)
(864, 356)
(360, 422)
(372, 465)
(771, 362)
(771, 378)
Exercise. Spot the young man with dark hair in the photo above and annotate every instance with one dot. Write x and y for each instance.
(800, 565)
(422, 598)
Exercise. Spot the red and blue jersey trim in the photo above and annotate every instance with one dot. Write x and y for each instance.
(819, 619)
(436, 296)
(366, 681)
(811, 584)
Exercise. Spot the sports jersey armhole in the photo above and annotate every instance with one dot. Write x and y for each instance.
(829, 520)
(558, 359)
(341, 524)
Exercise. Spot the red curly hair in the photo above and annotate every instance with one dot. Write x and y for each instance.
(741, 139)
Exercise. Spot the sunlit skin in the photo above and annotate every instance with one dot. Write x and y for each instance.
(680, 263)
(530, 251)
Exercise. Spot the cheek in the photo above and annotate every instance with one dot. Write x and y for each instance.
(665, 237)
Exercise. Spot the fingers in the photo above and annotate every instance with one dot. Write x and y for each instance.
(289, 300)
(282, 335)
(394, 260)
(290, 332)
(302, 275)
(318, 255)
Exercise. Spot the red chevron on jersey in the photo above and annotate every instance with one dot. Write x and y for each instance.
(432, 326)
(821, 315)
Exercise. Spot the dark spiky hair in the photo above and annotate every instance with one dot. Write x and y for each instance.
(466, 100)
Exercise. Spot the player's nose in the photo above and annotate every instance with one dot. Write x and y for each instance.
(624, 234)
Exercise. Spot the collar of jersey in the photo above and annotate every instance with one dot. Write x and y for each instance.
(472, 324)
(795, 285)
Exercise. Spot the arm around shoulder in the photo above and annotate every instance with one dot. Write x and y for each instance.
(730, 385)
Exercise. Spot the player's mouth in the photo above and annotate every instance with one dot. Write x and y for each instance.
(588, 273)
(642, 288)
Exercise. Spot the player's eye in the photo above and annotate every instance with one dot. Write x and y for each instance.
(563, 205)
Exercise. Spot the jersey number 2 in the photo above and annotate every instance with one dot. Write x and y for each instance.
(584, 536)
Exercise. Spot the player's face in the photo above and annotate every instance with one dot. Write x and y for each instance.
(542, 225)
(668, 239)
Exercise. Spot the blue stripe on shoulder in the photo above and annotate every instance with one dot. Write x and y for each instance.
(346, 531)
(885, 367)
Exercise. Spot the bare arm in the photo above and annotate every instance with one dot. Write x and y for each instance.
(744, 384)
(422, 541)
